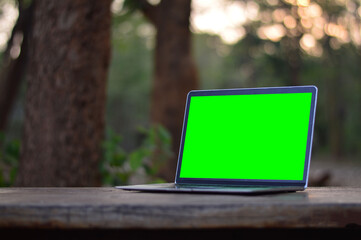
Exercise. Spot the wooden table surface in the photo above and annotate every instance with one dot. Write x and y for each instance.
(110, 208)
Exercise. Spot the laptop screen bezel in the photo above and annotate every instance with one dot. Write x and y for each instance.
(250, 91)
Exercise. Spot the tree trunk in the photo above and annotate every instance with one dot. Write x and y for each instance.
(64, 124)
(175, 71)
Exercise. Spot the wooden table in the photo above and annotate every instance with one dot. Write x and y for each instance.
(91, 211)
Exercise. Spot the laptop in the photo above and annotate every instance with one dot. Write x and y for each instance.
(244, 141)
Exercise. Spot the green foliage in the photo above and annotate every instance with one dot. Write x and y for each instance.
(9, 157)
(130, 74)
(118, 167)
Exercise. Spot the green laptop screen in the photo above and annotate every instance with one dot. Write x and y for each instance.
(256, 137)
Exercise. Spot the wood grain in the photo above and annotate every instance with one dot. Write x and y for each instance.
(109, 208)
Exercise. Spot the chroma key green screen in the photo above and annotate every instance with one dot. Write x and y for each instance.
(258, 136)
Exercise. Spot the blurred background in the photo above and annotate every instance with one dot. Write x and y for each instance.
(221, 44)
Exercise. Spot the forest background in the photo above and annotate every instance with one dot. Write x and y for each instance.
(234, 44)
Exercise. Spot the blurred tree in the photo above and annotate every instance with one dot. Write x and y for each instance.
(65, 102)
(292, 42)
(130, 72)
(319, 29)
(14, 61)
(175, 71)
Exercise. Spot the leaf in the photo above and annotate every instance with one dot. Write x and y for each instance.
(116, 139)
(118, 159)
(149, 170)
(136, 159)
(164, 135)
(107, 179)
(122, 178)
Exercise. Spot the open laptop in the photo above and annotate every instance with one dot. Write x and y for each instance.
(244, 141)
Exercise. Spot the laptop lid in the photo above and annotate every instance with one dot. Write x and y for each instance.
(255, 136)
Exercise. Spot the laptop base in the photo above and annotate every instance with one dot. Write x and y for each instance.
(171, 187)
